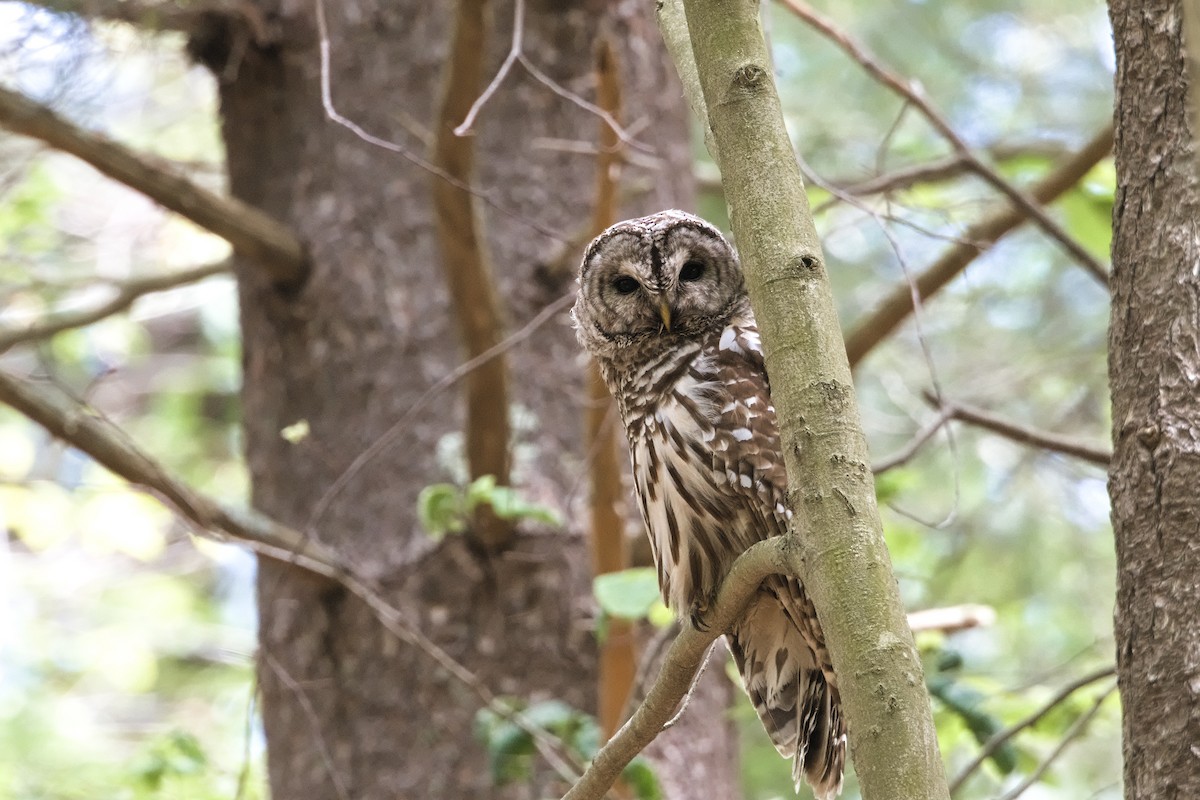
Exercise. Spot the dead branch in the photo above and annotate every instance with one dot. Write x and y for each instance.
(1029, 205)
(127, 294)
(997, 741)
(84, 429)
(952, 618)
(679, 666)
(618, 655)
(468, 271)
(253, 234)
(905, 454)
(978, 237)
(1055, 443)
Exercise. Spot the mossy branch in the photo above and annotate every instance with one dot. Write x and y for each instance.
(837, 539)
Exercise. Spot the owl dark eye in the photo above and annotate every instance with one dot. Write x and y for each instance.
(625, 284)
(691, 271)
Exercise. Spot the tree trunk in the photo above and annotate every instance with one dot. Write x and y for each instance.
(1154, 371)
(349, 710)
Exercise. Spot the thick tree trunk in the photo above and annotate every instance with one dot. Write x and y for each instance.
(349, 710)
(1154, 370)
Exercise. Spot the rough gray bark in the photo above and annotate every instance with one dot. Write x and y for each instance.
(1154, 372)
(358, 714)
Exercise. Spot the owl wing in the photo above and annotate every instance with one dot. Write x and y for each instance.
(778, 644)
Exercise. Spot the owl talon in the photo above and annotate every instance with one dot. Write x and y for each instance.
(698, 610)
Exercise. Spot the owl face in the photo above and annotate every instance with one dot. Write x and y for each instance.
(667, 275)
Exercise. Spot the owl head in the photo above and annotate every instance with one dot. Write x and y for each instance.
(667, 276)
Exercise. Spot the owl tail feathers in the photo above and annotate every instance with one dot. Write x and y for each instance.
(801, 712)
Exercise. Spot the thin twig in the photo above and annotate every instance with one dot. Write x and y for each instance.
(392, 147)
(1094, 454)
(905, 454)
(400, 426)
(1029, 205)
(313, 721)
(266, 241)
(514, 52)
(980, 235)
(1074, 732)
(128, 293)
(1001, 738)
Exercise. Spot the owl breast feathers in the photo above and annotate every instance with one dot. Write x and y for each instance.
(662, 307)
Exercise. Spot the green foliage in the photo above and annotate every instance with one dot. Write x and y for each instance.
(177, 755)
(628, 594)
(511, 747)
(447, 508)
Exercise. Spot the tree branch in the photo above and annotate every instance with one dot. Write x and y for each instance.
(1001, 738)
(127, 294)
(253, 234)
(82, 428)
(1094, 454)
(952, 618)
(1074, 732)
(679, 666)
(1028, 205)
(836, 540)
(879, 323)
(468, 273)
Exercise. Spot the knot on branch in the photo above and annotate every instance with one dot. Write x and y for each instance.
(750, 77)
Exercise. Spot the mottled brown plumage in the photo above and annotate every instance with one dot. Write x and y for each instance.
(662, 307)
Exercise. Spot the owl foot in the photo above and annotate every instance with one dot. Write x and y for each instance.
(697, 611)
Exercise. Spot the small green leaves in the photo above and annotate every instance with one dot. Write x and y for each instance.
(447, 508)
(511, 749)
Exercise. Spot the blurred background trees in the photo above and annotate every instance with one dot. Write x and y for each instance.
(140, 658)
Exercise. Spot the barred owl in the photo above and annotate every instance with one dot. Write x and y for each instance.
(662, 307)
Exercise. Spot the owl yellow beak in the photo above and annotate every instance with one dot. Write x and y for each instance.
(664, 311)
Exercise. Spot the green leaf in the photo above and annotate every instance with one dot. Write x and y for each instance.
(440, 509)
(639, 776)
(628, 594)
(966, 702)
(506, 502)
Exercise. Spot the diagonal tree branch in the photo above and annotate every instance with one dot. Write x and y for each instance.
(1029, 205)
(127, 294)
(82, 428)
(679, 666)
(185, 17)
(1068, 446)
(1001, 738)
(894, 308)
(253, 234)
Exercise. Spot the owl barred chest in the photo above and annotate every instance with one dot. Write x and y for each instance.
(702, 434)
(662, 307)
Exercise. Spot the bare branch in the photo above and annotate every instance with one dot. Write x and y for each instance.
(952, 618)
(514, 51)
(82, 428)
(1095, 454)
(253, 234)
(468, 273)
(127, 294)
(914, 444)
(1001, 738)
(392, 147)
(679, 666)
(879, 323)
(1029, 205)
(1074, 732)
